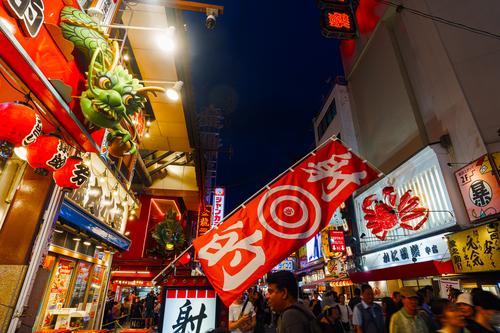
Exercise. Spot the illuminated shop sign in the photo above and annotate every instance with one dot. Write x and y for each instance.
(422, 176)
(432, 248)
(189, 310)
(480, 187)
(218, 206)
(285, 265)
(476, 249)
(141, 283)
(313, 248)
(204, 221)
(337, 243)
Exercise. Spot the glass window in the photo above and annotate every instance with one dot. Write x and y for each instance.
(80, 286)
(94, 293)
(58, 289)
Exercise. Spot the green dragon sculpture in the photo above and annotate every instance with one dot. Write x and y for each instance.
(112, 94)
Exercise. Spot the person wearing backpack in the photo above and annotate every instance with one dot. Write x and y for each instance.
(282, 293)
(242, 317)
(368, 316)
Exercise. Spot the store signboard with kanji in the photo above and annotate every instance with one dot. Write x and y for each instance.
(337, 243)
(204, 223)
(476, 249)
(189, 310)
(480, 187)
(421, 176)
(218, 206)
(431, 248)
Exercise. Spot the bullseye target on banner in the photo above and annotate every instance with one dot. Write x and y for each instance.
(287, 211)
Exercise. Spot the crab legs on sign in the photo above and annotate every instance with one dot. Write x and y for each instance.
(384, 215)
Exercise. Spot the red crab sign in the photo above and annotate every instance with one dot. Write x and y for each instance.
(384, 215)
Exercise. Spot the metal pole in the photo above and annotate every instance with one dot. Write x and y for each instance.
(163, 271)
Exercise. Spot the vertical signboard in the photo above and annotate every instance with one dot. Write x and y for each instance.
(189, 310)
(337, 243)
(480, 188)
(218, 206)
(204, 223)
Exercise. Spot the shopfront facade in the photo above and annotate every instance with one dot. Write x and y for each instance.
(397, 252)
(78, 263)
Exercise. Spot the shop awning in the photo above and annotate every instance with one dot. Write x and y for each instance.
(426, 268)
(75, 216)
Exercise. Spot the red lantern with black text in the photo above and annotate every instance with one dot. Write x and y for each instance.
(47, 154)
(19, 126)
(73, 174)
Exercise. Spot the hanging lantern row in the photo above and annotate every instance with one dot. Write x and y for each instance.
(22, 127)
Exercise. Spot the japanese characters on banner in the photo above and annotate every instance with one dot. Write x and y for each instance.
(204, 223)
(280, 219)
(480, 187)
(476, 249)
(431, 248)
(189, 310)
(218, 206)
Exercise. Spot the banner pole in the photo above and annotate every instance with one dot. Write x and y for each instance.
(163, 271)
(332, 138)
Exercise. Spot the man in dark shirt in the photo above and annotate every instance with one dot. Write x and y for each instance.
(282, 293)
(356, 299)
(487, 305)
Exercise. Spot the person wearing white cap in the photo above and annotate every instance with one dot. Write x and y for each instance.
(464, 303)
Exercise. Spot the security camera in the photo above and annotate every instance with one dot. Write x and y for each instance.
(211, 18)
(210, 22)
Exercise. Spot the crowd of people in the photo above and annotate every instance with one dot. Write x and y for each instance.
(133, 311)
(285, 310)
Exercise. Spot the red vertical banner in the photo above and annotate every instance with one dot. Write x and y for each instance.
(280, 218)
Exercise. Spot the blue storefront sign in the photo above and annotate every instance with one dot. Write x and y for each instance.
(74, 216)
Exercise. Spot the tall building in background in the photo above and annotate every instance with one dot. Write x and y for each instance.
(419, 103)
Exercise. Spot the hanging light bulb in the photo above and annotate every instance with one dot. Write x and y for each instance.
(174, 92)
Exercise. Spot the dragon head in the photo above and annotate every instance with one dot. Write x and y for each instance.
(113, 96)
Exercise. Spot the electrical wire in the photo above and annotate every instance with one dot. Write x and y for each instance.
(400, 7)
(11, 85)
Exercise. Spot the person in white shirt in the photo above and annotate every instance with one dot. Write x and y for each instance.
(345, 313)
(242, 317)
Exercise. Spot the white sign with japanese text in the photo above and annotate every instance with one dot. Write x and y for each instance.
(189, 311)
(218, 206)
(432, 248)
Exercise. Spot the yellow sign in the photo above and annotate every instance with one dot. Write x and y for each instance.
(476, 249)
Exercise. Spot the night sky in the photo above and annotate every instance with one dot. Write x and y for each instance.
(268, 67)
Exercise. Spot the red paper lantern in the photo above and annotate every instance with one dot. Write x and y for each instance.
(73, 174)
(47, 153)
(19, 126)
(185, 258)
